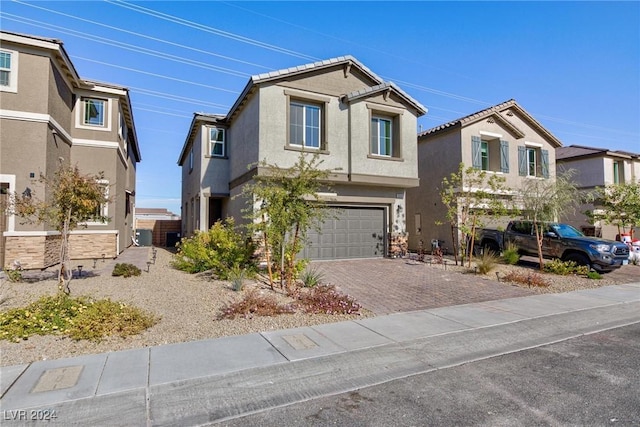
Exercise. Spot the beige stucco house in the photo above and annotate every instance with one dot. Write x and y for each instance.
(504, 140)
(597, 168)
(362, 127)
(49, 115)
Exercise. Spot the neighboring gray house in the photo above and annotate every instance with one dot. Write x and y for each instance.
(50, 115)
(503, 140)
(358, 123)
(597, 167)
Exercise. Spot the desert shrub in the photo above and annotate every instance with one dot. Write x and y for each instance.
(530, 279)
(14, 275)
(594, 275)
(236, 275)
(510, 254)
(311, 277)
(327, 300)
(564, 268)
(486, 262)
(253, 304)
(220, 249)
(125, 270)
(78, 318)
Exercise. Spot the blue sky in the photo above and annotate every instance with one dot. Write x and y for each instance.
(575, 66)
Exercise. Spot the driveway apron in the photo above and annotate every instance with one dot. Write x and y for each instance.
(386, 286)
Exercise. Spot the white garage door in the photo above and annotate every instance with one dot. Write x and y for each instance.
(353, 233)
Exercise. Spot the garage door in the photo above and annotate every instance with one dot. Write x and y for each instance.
(353, 233)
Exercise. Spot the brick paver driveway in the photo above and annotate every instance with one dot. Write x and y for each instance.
(387, 286)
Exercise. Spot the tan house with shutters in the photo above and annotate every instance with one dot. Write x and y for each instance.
(361, 126)
(49, 115)
(504, 140)
(597, 168)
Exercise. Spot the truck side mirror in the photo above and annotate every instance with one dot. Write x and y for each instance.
(551, 235)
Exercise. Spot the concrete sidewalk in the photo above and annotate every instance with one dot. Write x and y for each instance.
(203, 382)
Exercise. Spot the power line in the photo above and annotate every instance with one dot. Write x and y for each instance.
(211, 30)
(206, 52)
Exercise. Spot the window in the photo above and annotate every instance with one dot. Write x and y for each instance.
(102, 209)
(305, 124)
(191, 159)
(8, 71)
(217, 142)
(490, 153)
(93, 111)
(381, 136)
(618, 172)
(533, 161)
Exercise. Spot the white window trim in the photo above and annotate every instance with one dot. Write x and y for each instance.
(390, 120)
(212, 142)
(306, 104)
(80, 113)
(13, 72)
(490, 134)
(533, 144)
(105, 206)
(536, 153)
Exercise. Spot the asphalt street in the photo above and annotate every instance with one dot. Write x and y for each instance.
(592, 380)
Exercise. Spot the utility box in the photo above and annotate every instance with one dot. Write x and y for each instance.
(144, 237)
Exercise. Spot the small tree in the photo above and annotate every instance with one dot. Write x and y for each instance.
(285, 205)
(71, 200)
(546, 200)
(470, 195)
(618, 204)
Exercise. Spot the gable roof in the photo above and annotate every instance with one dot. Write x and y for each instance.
(198, 119)
(494, 112)
(578, 151)
(347, 60)
(386, 87)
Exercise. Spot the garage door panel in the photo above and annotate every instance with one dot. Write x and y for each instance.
(353, 232)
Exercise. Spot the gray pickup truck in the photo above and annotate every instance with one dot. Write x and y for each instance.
(560, 241)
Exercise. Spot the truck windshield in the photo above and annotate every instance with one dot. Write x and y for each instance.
(565, 230)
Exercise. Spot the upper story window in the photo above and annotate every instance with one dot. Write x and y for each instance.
(490, 153)
(618, 172)
(533, 161)
(217, 142)
(191, 159)
(305, 128)
(94, 112)
(382, 136)
(8, 71)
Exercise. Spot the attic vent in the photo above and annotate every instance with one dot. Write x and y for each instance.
(490, 120)
(510, 113)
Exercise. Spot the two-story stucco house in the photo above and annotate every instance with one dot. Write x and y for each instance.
(48, 116)
(597, 167)
(362, 127)
(503, 140)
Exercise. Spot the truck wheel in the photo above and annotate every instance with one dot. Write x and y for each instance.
(578, 259)
(491, 247)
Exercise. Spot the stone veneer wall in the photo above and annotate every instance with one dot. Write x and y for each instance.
(37, 252)
(398, 244)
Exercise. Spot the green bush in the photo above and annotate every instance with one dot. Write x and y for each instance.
(78, 318)
(594, 275)
(125, 270)
(14, 275)
(237, 275)
(564, 268)
(510, 254)
(312, 277)
(221, 249)
(486, 262)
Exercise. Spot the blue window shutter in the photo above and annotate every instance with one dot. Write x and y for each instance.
(476, 152)
(504, 156)
(522, 161)
(545, 163)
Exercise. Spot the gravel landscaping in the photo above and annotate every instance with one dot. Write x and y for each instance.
(189, 306)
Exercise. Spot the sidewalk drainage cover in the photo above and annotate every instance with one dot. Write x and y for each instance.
(56, 379)
(299, 342)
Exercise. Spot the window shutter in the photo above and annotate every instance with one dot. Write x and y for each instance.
(476, 158)
(522, 161)
(504, 156)
(545, 163)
